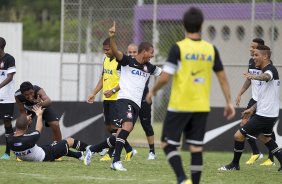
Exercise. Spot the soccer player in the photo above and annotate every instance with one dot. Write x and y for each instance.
(24, 145)
(134, 75)
(29, 95)
(255, 87)
(109, 83)
(266, 110)
(7, 100)
(145, 110)
(190, 64)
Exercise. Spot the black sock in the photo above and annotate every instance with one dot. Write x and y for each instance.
(78, 145)
(238, 150)
(74, 154)
(253, 144)
(196, 167)
(270, 155)
(120, 141)
(174, 159)
(274, 149)
(127, 147)
(111, 151)
(108, 143)
(8, 131)
(152, 148)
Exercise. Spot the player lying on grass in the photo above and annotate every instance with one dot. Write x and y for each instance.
(24, 145)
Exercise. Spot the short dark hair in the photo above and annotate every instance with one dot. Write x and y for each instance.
(259, 41)
(193, 20)
(265, 49)
(2, 43)
(25, 86)
(144, 46)
(22, 122)
(107, 41)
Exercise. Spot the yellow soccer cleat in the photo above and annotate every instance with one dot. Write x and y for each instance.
(254, 158)
(59, 159)
(187, 182)
(129, 155)
(106, 157)
(268, 162)
(18, 159)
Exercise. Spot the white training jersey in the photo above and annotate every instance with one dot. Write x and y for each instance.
(25, 147)
(133, 78)
(7, 65)
(255, 83)
(268, 94)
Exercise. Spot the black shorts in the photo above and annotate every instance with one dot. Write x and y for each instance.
(127, 111)
(48, 116)
(54, 151)
(145, 112)
(258, 125)
(6, 111)
(110, 111)
(193, 125)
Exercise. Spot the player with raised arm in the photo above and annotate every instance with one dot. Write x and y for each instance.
(134, 74)
(24, 145)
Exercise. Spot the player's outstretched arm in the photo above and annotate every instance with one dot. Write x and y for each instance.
(112, 31)
(38, 111)
(229, 111)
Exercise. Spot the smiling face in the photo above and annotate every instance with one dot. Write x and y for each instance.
(260, 58)
(29, 95)
(132, 50)
(253, 46)
(108, 51)
(148, 55)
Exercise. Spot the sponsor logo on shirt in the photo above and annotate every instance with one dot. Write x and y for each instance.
(139, 72)
(198, 57)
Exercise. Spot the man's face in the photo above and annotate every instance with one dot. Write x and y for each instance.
(258, 58)
(253, 46)
(148, 55)
(108, 51)
(29, 95)
(132, 50)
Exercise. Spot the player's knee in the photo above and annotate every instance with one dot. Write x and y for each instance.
(238, 136)
(111, 141)
(149, 131)
(169, 148)
(70, 141)
(195, 148)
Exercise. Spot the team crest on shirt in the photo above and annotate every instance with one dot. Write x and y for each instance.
(2, 65)
(145, 68)
(129, 115)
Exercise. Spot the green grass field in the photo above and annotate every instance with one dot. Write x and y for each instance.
(139, 169)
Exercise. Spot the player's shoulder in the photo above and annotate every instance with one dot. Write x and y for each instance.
(18, 93)
(9, 57)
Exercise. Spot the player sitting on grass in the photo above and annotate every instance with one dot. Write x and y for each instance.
(24, 145)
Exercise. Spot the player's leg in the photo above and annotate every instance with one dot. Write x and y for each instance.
(76, 144)
(52, 120)
(267, 124)
(252, 142)
(270, 160)
(145, 120)
(194, 133)
(6, 115)
(128, 113)
(173, 126)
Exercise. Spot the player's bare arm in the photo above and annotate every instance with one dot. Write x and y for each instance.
(229, 111)
(97, 89)
(244, 88)
(162, 80)
(42, 99)
(261, 77)
(20, 106)
(7, 80)
(38, 111)
(248, 112)
(110, 92)
(118, 54)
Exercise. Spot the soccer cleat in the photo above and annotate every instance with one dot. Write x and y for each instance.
(106, 158)
(186, 182)
(230, 167)
(118, 166)
(103, 152)
(268, 162)
(82, 156)
(5, 157)
(254, 158)
(88, 156)
(130, 155)
(152, 156)
(18, 159)
(59, 159)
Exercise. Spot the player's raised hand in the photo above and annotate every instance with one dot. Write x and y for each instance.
(38, 110)
(112, 30)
